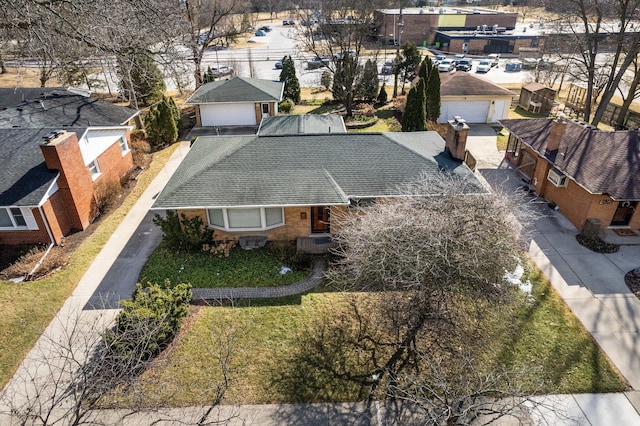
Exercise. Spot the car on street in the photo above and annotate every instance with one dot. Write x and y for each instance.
(288, 22)
(260, 33)
(221, 71)
(446, 66)
(464, 65)
(493, 58)
(484, 66)
(387, 68)
(318, 62)
(457, 58)
(340, 55)
(278, 63)
(266, 28)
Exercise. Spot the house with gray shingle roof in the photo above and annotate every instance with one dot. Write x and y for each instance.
(60, 148)
(239, 101)
(587, 172)
(288, 186)
(473, 98)
(299, 124)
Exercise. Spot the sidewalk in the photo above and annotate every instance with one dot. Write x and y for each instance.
(591, 284)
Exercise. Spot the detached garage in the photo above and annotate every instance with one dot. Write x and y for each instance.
(236, 102)
(473, 98)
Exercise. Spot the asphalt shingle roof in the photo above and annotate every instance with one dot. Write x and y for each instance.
(465, 84)
(303, 169)
(602, 162)
(238, 89)
(25, 178)
(59, 108)
(298, 124)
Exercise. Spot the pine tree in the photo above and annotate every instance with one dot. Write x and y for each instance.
(168, 130)
(369, 81)
(382, 96)
(151, 126)
(433, 96)
(209, 76)
(175, 112)
(146, 80)
(291, 83)
(414, 117)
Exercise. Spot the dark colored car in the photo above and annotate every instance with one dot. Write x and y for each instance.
(464, 65)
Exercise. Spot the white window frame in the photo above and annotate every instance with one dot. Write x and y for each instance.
(557, 178)
(94, 165)
(24, 213)
(263, 219)
(124, 145)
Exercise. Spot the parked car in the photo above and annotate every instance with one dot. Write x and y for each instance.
(464, 65)
(484, 66)
(285, 22)
(387, 68)
(457, 58)
(340, 55)
(493, 58)
(446, 66)
(438, 59)
(260, 33)
(222, 70)
(318, 62)
(266, 28)
(288, 22)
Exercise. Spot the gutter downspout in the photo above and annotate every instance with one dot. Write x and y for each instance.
(46, 253)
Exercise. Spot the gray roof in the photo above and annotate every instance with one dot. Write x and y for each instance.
(238, 89)
(59, 108)
(299, 124)
(466, 84)
(602, 162)
(307, 169)
(25, 178)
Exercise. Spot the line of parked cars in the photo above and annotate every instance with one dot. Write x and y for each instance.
(460, 62)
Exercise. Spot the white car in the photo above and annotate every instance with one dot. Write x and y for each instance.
(484, 66)
(446, 66)
(493, 58)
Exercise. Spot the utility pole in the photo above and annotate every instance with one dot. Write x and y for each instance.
(397, 42)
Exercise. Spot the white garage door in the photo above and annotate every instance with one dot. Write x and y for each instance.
(228, 115)
(472, 111)
(500, 110)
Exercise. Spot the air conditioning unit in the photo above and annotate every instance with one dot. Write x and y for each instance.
(557, 178)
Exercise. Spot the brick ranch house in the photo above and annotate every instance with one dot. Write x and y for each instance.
(586, 172)
(289, 186)
(60, 149)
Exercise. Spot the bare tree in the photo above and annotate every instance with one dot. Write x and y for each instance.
(593, 28)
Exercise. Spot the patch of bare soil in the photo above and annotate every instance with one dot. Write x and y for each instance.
(596, 244)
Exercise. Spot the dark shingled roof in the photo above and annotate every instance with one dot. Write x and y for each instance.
(59, 108)
(299, 124)
(24, 179)
(304, 169)
(465, 84)
(602, 162)
(238, 89)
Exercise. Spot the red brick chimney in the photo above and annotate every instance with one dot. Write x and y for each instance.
(456, 140)
(62, 153)
(556, 134)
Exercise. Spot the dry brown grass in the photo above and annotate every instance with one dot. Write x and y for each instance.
(24, 77)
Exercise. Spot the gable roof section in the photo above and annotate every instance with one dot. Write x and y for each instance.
(299, 124)
(465, 84)
(329, 169)
(238, 89)
(25, 179)
(602, 162)
(57, 108)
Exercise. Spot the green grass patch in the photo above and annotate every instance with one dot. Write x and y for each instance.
(27, 308)
(544, 337)
(242, 268)
(502, 140)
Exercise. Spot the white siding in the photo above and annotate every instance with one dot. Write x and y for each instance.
(472, 111)
(96, 141)
(500, 110)
(240, 114)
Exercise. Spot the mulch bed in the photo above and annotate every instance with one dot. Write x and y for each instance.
(632, 280)
(596, 244)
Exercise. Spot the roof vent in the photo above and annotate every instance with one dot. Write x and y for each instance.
(459, 120)
(51, 136)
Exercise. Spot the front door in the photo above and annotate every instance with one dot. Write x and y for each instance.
(320, 219)
(623, 213)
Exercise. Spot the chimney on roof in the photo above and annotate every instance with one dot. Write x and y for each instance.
(456, 140)
(556, 133)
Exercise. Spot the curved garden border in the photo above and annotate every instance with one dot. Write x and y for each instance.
(315, 278)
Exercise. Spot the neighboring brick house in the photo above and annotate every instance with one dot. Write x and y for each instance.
(60, 149)
(289, 186)
(239, 101)
(586, 172)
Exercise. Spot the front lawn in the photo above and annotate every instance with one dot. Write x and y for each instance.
(243, 268)
(543, 338)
